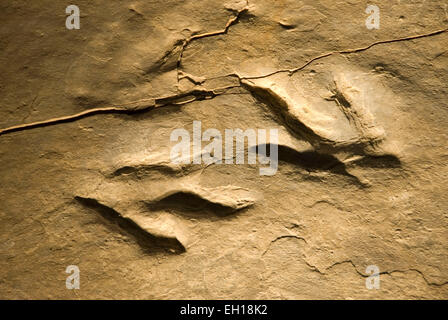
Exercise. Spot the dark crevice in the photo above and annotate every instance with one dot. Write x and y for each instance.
(383, 161)
(315, 161)
(117, 223)
(311, 161)
(191, 205)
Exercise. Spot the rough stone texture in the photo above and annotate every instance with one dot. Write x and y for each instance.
(363, 151)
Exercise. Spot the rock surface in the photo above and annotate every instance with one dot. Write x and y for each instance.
(85, 171)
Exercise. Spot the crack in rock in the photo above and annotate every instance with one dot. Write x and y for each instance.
(198, 93)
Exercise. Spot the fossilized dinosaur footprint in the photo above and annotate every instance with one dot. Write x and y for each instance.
(158, 207)
(356, 127)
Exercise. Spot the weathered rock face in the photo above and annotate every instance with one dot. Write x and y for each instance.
(87, 176)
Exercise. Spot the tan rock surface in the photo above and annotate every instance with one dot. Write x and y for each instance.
(85, 171)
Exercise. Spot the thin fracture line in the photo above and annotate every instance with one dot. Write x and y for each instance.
(347, 51)
(211, 93)
(155, 103)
